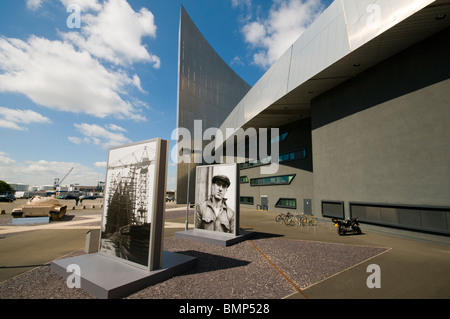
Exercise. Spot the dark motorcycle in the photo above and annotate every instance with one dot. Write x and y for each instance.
(350, 225)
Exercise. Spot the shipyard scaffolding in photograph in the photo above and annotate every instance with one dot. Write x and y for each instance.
(127, 228)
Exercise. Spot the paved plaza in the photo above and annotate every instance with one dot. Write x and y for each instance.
(278, 262)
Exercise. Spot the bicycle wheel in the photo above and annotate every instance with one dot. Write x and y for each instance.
(287, 220)
(293, 221)
(279, 218)
(298, 219)
(313, 221)
(304, 221)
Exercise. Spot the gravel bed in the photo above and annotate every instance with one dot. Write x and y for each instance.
(41, 283)
(307, 262)
(235, 272)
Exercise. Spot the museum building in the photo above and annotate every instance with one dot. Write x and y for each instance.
(362, 105)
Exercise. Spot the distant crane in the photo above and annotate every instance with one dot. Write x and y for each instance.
(58, 181)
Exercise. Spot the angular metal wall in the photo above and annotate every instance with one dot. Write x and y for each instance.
(208, 90)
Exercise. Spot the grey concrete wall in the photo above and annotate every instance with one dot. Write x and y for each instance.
(383, 137)
(301, 187)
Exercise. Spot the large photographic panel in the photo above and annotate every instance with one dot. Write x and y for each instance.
(216, 198)
(130, 201)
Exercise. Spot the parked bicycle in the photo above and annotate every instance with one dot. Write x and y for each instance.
(299, 219)
(292, 220)
(309, 219)
(281, 217)
(296, 219)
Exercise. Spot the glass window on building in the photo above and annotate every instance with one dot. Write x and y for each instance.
(296, 155)
(275, 180)
(243, 179)
(287, 203)
(246, 200)
(280, 138)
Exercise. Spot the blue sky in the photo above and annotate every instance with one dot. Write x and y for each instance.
(69, 92)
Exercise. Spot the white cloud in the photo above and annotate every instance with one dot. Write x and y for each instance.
(115, 34)
(34, 4)
(75, 140)
(55, 75)
(241, 3)
(236, 61)
(75, 74)
(44, 172)
(255, 33)
(10, 125)
(84, 5)
(11, 118)
(4, 159)
(114, 127)
(100, 164)
(272, 36)
(97, 135)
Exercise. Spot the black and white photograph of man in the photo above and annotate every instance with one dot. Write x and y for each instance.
(216, 198)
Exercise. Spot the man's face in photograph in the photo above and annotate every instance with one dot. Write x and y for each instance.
(219, 189)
